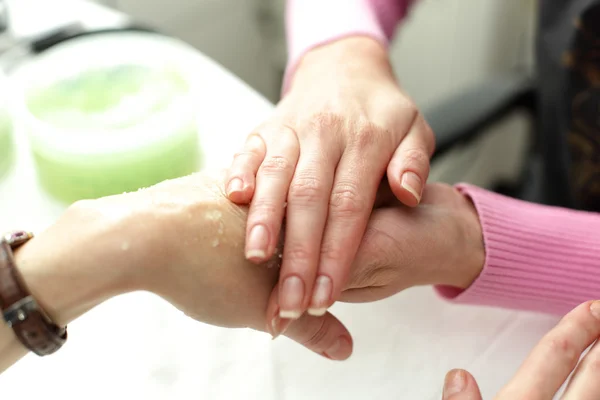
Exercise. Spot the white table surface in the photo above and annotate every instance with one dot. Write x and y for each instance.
(403, 346)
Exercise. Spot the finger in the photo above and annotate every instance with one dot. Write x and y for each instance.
(350, 206)
(241, 177)
(552, 360)
(272, 183)
(324, 335)
(308, 201)
(409, 168)
(460, 385)
(584, 383)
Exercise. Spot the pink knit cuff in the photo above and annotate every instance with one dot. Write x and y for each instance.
(538, 258)
(313, 23)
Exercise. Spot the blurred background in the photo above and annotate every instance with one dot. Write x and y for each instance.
(444, 46)
(445, 49)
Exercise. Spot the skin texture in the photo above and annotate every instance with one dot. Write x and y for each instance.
(184, 240)
(343, 125)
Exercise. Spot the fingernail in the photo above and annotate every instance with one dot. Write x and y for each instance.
(258, 240)
(279, 326)
(412, 183)
(321, 296)
(456, 382)
(291, 298)
(595, 309)
(235, 185)
(341, 349)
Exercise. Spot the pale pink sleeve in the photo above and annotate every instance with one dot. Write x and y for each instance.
(311, 23)
(538, 258)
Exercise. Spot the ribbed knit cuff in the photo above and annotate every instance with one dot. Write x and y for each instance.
(538, 258)
(313, 23)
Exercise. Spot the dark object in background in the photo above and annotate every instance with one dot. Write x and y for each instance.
(563, 165)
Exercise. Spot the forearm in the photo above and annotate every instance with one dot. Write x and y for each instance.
(313, 23)
(537, 257)
(181, 240)
(68, 269)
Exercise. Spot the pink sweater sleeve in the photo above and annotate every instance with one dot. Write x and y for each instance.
(538, 258)
(311, 23)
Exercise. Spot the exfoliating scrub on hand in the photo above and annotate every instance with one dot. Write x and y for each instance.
(112, 129)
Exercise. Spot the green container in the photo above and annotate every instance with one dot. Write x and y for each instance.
(111, 128)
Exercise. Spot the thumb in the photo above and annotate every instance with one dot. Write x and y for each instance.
(325, 335)
(460, 385)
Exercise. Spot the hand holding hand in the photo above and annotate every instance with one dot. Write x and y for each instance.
(344, 123)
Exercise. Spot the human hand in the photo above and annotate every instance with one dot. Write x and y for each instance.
(549, 365)
(182, 240)
(438, 243)
(343, 124)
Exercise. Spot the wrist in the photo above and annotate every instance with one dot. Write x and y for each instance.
(468, 251)
(345, 57)
(70, 268)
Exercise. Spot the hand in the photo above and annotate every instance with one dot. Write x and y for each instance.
(182, 240)
(549, 364)
(438, 243)
(344, 123)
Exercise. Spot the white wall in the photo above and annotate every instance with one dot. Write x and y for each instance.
(446, 45)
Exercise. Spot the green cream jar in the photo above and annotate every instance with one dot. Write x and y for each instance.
(105, 122)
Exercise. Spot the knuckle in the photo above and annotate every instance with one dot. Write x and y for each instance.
(417, 157)
(264, 210)
(306, 190)
(333, 252)
(317, 335)
(565, 348)
(409, 107)
(276, 165)
(366, 134)
(326, 122)
(297, 252)
(346, 200)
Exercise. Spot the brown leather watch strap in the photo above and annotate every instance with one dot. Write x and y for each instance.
(32, 326)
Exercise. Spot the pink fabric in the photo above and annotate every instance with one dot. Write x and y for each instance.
(538, 258)
(312, 23)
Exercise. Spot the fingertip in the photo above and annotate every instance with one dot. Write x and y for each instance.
(460, 385)
(340, 350)
(325, 335)
(240, 192)
(412, 183)
(407, 186)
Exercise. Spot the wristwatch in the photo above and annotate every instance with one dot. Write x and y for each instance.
(30, 323)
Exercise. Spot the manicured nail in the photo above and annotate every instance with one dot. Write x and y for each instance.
(235, 185)
(291, 296)
(341, 349)
(279, 326)
(258, 241)
(456, 382)
(412, 183)
(321, 296)
(595, 309)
